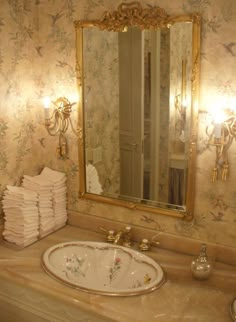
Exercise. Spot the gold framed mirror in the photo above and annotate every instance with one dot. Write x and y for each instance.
(138, 81)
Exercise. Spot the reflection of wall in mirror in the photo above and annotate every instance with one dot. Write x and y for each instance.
(101, 106)
(181, 50)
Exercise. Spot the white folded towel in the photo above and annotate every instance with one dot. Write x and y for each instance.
(57, 201)
(22, 210)
(18, 219)
(12, 221)
(46, 219)
(20, 234)
(60, 197)
(10, 198)
(60, 184)
(9, 204)
(21, 243)
(20, 191)
(45, 196)
(46, 211)
(30, 210)
(60, 225)
(20, 197)
(45, 204)
(38, 180)
(23, 232)
(59, 190)
(53, 175)
(45, 233)
(61, 213)
(59, 208)
(36, 188)
(48, 226)
(59, 205)
(45, 227)
(17, 198)
(60, 220)
(20, 240)
(24, 220)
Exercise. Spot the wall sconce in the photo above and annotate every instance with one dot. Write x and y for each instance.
(221, 133)
(58, 122)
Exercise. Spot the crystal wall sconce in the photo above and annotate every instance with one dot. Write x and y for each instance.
(221, 133)
(58, 122)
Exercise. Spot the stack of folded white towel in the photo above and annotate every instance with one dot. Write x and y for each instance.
(43, 188)
(21, 216)
(59, 198)
(36, 209)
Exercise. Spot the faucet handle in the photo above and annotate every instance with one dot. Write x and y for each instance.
(110, 234)
(145, 244)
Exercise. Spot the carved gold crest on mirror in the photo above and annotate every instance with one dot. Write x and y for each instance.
(138, 80)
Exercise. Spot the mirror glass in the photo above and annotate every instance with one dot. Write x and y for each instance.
(137, 113)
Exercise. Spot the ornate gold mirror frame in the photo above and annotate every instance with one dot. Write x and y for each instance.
(128, 15)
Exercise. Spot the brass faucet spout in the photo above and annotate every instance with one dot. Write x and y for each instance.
(118, 236)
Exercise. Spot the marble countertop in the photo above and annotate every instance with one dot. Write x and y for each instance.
(181, 298)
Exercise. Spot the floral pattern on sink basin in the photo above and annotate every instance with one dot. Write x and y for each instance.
(102, 268)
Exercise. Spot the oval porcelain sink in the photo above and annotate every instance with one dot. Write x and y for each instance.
(102, 268)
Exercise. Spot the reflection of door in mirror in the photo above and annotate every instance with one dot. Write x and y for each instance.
(131, 89)
(144, 60)
(157, 114)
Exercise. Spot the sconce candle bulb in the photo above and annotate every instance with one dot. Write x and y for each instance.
(217, 130)
(46, 103)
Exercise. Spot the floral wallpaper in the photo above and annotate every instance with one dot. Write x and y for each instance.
(37, 58)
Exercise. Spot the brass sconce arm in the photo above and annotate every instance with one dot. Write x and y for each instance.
(58, 123)
(221, 135)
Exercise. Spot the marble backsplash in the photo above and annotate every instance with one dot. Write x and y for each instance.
(37, 58)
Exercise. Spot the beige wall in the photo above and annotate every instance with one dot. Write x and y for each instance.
(37, 58)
